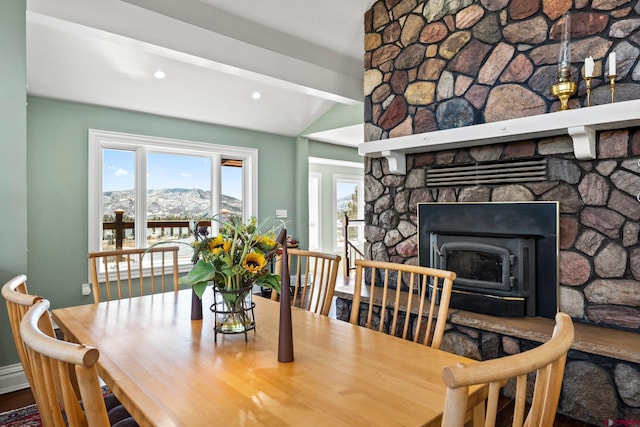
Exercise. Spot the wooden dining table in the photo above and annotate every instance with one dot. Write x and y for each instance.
(168, 371)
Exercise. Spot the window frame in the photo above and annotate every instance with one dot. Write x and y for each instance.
(317, 205)
(350, 179)
(141, 145)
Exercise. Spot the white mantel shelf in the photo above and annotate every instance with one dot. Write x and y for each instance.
(581, 124)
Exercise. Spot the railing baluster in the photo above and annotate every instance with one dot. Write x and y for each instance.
(351, 252)
(119, 227)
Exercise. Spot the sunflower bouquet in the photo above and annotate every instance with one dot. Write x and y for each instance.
(236, 258)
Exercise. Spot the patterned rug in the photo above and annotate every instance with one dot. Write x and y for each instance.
(29, 416)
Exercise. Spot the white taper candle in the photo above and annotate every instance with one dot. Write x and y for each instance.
(588, 66)
(612, 64)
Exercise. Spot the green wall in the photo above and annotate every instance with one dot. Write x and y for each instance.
(334, 152)
(57, 176)
(301, 176)
(13, 157)
(305, 149)
(56, 207)
(339, 116)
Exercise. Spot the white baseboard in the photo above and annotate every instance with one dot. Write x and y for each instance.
(12, 378)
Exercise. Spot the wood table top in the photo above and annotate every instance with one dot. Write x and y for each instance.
(167, 370)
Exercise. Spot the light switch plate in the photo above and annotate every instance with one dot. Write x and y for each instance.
(86, 289)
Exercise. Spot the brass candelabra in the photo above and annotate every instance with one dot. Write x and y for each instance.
(587, 81)
(612, 86)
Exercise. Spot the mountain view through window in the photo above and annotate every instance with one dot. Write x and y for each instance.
(178, 190)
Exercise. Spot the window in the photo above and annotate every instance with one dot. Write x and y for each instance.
(349, 199)
(231, 186)
(161, 186)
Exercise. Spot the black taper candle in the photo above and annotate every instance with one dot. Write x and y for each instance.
(285, 336)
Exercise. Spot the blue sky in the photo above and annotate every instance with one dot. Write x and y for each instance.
(344, 189)
(167, 171)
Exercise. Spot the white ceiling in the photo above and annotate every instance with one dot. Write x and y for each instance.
(304, 57)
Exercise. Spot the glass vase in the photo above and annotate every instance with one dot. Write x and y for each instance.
(233, 310)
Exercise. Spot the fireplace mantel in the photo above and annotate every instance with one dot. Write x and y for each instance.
(581, 124)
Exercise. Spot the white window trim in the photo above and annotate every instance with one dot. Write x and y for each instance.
(100, 139)
(318, 202)
(333, 162)
(345, 178)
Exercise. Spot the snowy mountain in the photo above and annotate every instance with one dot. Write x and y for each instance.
(172, 203)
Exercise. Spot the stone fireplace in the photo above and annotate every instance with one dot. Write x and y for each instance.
(464, 87)
(598, 242)
(412, 48)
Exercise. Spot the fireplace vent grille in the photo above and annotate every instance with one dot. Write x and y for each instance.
(488, 173)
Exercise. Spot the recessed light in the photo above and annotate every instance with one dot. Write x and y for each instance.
(159, 74)
(256, 95)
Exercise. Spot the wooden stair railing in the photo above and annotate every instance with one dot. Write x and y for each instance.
(351, 252)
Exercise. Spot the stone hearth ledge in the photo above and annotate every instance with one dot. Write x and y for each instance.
(593, 339)
(581, 124)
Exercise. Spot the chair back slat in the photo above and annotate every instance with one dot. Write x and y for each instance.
(152, 277)
(546, 362)
(54, 361)
(400, 299)
(125, 272)
(314, 280)
(19, 301)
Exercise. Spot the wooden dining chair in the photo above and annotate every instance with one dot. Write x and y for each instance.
(409, 301)
(66, 385)
(313, 279)
(19, 301)
(546, 361)
(133, 272)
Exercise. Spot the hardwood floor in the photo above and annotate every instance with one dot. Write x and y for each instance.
(20, 398)
(16, 399)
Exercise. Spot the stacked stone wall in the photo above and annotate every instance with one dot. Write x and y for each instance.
(433, 65)
(599, 215)
(439, 64)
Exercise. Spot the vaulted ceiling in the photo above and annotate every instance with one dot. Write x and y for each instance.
(303, 57)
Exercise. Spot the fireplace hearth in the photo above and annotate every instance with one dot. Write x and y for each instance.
(504, 254)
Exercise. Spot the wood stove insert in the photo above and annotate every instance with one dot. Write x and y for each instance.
(504, 254)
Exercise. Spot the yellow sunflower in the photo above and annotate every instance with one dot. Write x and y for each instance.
(219, 244)
(254, 262)
(267, 241)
